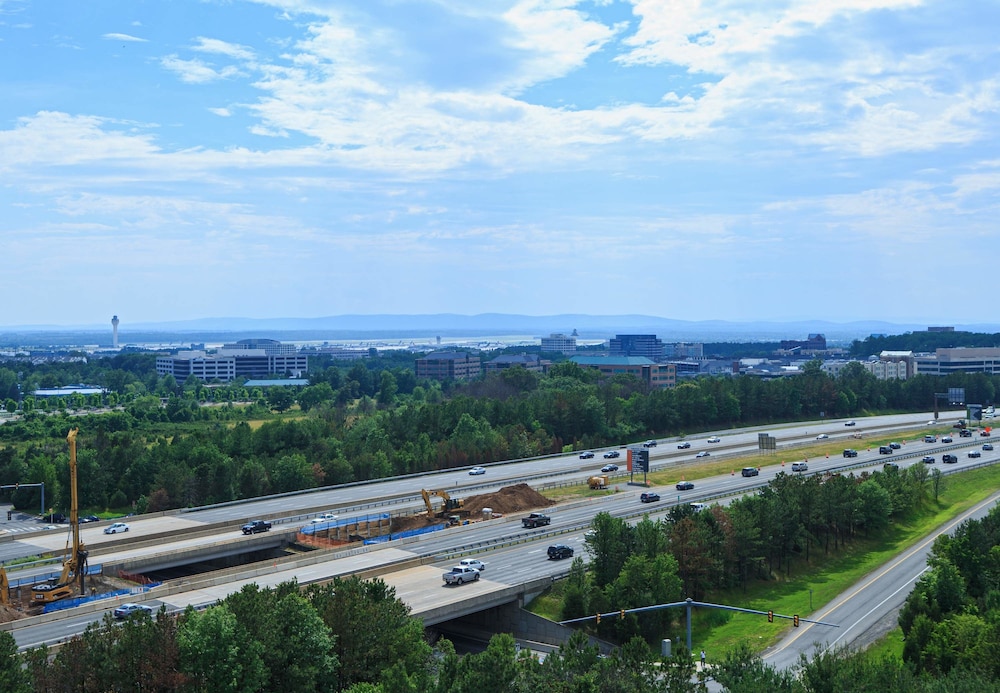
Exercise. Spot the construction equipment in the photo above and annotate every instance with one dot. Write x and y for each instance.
(4, 587)
(598, 482)
(75, 563)
(449, 502)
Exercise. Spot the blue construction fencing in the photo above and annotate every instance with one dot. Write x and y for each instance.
(77, 601)
(403, 535)
(343, 522)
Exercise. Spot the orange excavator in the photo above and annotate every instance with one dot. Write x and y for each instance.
(75, 563)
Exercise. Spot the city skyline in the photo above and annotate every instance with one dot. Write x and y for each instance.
(697, 161)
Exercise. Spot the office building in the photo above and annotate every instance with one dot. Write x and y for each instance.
(647, 345)
(448, 365)
(655, 375)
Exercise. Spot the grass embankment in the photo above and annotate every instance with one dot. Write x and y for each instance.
(825, 576)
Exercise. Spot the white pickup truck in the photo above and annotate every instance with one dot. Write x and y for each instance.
(460, 574)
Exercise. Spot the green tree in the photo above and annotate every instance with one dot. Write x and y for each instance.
(218, 654)
(13, 677)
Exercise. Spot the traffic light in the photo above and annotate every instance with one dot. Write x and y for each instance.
(621, 614)
(598, 619)
(770, 617)
(795, 620)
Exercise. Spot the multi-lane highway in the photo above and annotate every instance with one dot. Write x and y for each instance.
(514, 556)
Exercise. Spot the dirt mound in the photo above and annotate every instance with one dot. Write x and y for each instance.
(509, 499)
(402, 524)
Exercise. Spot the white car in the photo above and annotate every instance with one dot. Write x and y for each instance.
(325, 517)
(472, 563)
(822, 436)
(715, 439)
(116, 528)
(476, 471)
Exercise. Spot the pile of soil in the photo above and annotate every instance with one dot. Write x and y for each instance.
(509, 499)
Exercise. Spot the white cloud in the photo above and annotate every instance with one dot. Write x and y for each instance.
(124, 37)
(215, 46)
(196, 71)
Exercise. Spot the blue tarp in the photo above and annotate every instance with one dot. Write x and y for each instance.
(403, 535)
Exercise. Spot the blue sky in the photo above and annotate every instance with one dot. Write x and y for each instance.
(734, 160)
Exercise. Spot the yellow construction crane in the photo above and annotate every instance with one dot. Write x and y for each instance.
(75, 563)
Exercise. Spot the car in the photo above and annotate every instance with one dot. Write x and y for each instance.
(822, 436)
(612, 454)
(984, 433)
(895, 446)
(89, 518)
(649, 497)
(609, 468)
(750, 471)
(129, 609)
(932, 423)
(800, 467)
(850, 423)
(948, 458)
(473, 563)
(703, 453)
(684, 486)
(55, 518)
(988, 446)
(975, 453)
(116, 528)
(946, 439)
(698, 507)
(889, 465)
(928, 459)
(850, 452)
(930, 439)
(321, 519)
(477, 471)
(649, 444)
(965, 433)
(683, 446)
(715, 439)
(588, 455)
(559, 551)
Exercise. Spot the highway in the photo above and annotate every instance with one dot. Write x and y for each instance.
(513, 555)
(874, 600)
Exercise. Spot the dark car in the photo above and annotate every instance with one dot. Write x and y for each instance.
(683, 446)
(586, 455)
(684, 486)
(987, 446)
(89, 518)
(649, 444)
(55, 519)
(850, 453)
(559, 551)
(609, 468)
(611, 454)
(965, 433)
(649, 497)
(889, 465)
(984, 433)
(895, 446)
(884, 450)
(750, 471)
(928, 459)
(975, 453)
(949, 459)
(946, 439)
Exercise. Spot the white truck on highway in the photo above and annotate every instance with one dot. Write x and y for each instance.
(460, 574)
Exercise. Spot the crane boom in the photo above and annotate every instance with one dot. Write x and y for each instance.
(74, 565)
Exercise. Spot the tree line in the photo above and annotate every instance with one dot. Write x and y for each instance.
(353, 424)
(693, 553)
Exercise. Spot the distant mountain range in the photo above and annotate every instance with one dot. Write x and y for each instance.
(399, 327)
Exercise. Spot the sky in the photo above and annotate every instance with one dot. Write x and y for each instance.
(699, 160)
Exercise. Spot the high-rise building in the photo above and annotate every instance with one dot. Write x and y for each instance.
(114, 331)
(560, 343)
